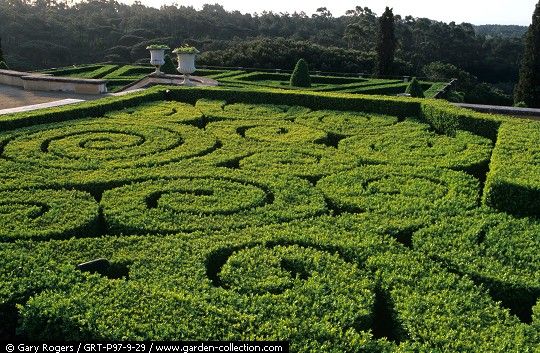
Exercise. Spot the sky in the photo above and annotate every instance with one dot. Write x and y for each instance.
(517, 12)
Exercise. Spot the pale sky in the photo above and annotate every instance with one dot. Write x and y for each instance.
(517, 12)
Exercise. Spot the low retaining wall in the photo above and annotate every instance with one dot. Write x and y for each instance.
(12, 78)
(43, 82)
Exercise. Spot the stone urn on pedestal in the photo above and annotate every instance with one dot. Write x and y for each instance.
(157, 56)
(186, 62)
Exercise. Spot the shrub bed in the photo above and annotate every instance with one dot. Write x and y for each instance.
(214, 199)
(513, 184)
(464, 151)
(47, 214)
(321, 287)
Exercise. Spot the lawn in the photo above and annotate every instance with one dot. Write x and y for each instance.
(339, 222)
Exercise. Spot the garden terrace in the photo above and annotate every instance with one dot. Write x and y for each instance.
(119, 76)
(340, 222)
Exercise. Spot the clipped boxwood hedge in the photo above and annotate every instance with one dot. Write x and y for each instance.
(513, 184)
(318, 285)
(232, 214)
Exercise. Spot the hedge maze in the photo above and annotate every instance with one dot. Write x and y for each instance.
(318, 218)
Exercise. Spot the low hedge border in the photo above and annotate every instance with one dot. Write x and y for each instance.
(513, 184)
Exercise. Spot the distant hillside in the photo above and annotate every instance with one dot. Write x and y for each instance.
(504, 31)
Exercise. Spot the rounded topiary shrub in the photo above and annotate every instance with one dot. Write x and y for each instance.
(414, 89)
(300, 76)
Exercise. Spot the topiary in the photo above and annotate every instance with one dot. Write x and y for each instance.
(300, 76)
(414, 89)
(169, 67)
(3, 66)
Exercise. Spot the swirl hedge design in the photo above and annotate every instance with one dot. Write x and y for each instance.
(464, 151)
(99, 144)
(270, 132)
(495, 249)
(213, 220)
(162, 112)
(399, 191)
(303, 162)
(205, 203)
(47, 214)
(316, 285)
(345, 123)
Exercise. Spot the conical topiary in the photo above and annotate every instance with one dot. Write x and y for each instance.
(1, 52)
(169, 67)
(300, 76)
(415, 89)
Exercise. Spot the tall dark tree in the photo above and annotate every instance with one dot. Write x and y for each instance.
(1, 53)
(386, 43)
(528, 87)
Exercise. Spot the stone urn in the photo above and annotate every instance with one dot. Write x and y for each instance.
(157, 56)
(186, 62)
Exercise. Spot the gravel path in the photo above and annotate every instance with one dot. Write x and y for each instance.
(12, 97)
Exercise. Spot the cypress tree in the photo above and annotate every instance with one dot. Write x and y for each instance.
(386, 43)
(415, 89)
(300, 76)
(1, 53)
(169, 67)
(528, 87)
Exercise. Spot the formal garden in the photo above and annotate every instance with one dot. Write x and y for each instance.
(338, 222)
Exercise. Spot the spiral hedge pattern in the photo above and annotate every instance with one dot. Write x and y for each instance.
(495, 249)
(323, 288)
(401, 191)
(339, 231)
(273, 132)
(311, 163)
(191, 203)
(106, 144)
(345, 123)
(47, 214)
(219, 110)
(465, 151)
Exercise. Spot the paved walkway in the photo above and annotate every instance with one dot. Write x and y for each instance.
(525, 113)
(13, 97)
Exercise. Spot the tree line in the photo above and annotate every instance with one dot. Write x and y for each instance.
(51, 33)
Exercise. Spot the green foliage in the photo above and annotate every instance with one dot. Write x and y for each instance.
(231, 215)
(528, 87)
(520, 105)
(401, 192)
(414, 89)
(495, 250)
(513, 183)
(208, 200)
(3, 66)
(305, 282)
(386, 43)
(46, 214)
(406, 143)
(169, 67)
(300, 76)
(443, 71)
(186, 50)
(158, 46)
(485, 94)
